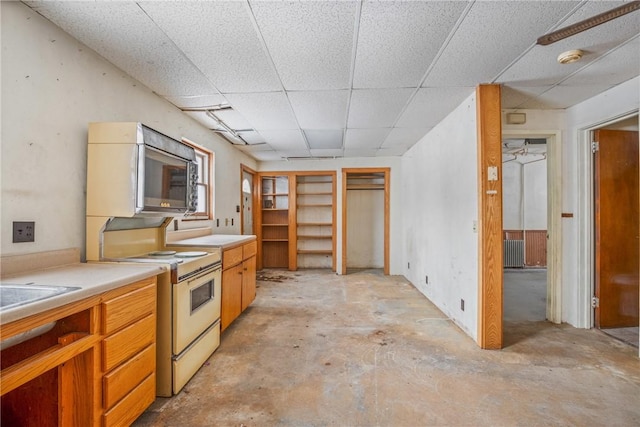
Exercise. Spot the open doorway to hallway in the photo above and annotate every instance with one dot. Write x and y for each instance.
(524, 168)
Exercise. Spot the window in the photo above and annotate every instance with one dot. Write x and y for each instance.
(204, 158)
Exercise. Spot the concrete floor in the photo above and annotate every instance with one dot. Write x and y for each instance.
(318, 349)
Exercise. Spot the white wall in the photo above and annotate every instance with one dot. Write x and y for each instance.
(395, 215)
(439, 208)
(619, 101)
(524, 194)
(52, 87)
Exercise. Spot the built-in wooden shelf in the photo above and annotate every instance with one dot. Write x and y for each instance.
(314, 223)
(315, 251)
(275, 225)
(314, 194)
(365, 186)
(275, 240)
(314, 237)
(274, 194)
(315, 205)
(275, 209)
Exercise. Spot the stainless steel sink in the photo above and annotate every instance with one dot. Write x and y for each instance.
(14, 295)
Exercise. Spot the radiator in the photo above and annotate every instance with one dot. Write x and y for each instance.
(514, 253)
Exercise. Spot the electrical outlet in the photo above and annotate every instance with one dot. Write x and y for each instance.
(426, 279)
(24, 231)
(462, 304)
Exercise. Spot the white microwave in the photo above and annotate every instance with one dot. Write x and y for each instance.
(133, 170)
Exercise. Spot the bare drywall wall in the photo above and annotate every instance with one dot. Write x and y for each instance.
(440, 210)
(52, 87)
(365, 229)
(524, 194)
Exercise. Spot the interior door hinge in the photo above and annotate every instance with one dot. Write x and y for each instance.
(595, 146)
(595, 302)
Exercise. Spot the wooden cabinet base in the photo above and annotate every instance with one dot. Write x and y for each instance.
(130, 408)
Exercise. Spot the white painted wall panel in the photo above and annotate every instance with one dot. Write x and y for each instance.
(365, 229)
(52, 87)
(532, 215)
(439, 207)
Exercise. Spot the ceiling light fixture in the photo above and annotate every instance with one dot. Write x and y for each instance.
(570, 56)
(586, 24)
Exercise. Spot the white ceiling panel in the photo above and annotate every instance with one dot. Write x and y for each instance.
(391, 151)
(294, 153)
(266, 156)
(284, 139)
(251, 148)
(515, 96)
(480, 49)
(221, 40)
(404, 137)
(618, 66)
(201, 117)
(564, 96)
(376, 108)
(398, 40)
(320, 109)
(540, 66)
(324, 138)
(233, 119)
(430, 105)
(264, 110)
(252, 137)
(365, 138)
(310, 43)
(124, 35)
(327, 153)
(360, 152)
(197, 101)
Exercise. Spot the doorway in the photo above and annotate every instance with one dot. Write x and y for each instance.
(365, 219)
(616, 227)
(525, 213)
(247, 187)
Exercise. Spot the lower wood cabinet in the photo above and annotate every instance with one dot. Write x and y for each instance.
(95, 367)
(238, 281)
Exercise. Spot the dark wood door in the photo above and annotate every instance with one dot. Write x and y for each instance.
(616, 228)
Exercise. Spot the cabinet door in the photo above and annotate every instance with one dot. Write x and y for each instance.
(248, 282)
(231, 295)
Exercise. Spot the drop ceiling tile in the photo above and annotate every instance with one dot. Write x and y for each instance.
(294, 153)
(539, 66)
(326, 153)
(376, 108)
(124, 35)
(251, 148)
(310, 42)
(266, 156)
(197, 101)
(618, 66)
(564, 96)
(220, 39)
(324, 138)
(264, 110)
(365, 138)
(202, 118)
(482, 46)
(391, 151)
(398, 40)
(360, 152)
(252, 137)
(233, 119)
(514, 96)
(320, 109)
(431, 105)
(284, 139)
(404, 137)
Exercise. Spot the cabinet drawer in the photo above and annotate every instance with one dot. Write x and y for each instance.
(128, 308)
(119, 382)
(124, 344)
(249, 250)
(231, 257)
(134, 404)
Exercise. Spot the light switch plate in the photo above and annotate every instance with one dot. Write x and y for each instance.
(492, 173)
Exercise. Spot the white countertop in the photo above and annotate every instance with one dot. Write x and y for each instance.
(215, 240)
(91, 278)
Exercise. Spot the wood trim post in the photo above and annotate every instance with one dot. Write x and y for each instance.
(490, 262)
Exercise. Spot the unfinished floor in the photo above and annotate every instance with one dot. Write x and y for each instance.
(319, 349)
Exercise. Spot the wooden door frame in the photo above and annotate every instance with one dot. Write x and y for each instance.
(254, 186)
(387, 201)
(554, 216)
